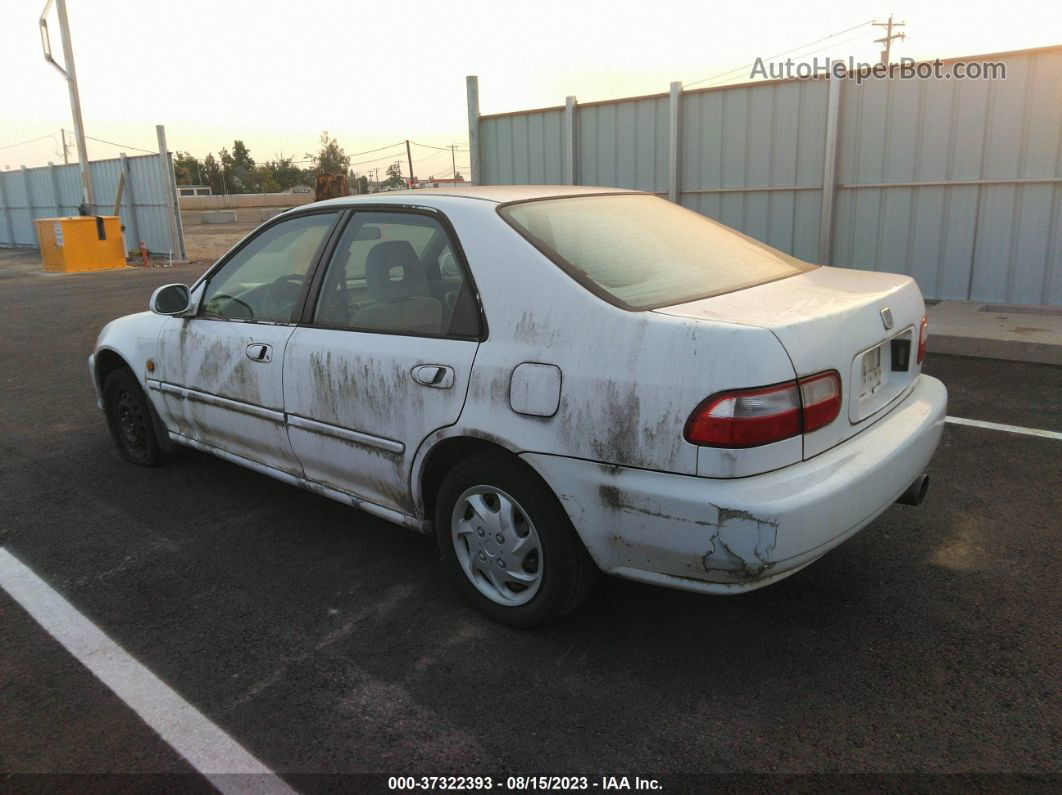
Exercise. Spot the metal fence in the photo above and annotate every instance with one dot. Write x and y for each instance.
(146, 211)
(955, 182)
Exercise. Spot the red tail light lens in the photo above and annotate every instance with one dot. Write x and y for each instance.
(923, 338)
(821, 397)
(746, 418)
(752, 417)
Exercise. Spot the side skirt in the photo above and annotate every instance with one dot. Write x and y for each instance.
(391, 515)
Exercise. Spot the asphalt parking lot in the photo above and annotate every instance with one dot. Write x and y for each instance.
(326, 641)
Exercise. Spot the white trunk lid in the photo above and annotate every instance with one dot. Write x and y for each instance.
(834, 319)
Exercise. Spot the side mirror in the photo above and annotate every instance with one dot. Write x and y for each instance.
(171, 299)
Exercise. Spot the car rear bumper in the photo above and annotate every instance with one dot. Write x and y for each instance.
(733, 535)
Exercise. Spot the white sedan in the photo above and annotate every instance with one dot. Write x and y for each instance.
(554, 381)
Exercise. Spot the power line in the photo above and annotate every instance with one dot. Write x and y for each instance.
(120, 146)
(380, 158)
(30, 141)
(824, 47)
(779, 54)
(432, 157)
(370, 151)
(429, 146)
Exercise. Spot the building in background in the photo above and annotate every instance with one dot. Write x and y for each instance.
(194, 190)
(439, 182)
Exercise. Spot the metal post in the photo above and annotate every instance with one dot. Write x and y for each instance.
(66, 153)
(829, 168)
(54, 176)
(7, 213)
(474, 161)
(570, 144)
(118, 194)
(674, 143)
(29, 196)
(130, 203)
(409, 157)
(70, 73)
(170, 183)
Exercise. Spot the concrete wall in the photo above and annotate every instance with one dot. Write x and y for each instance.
(235, 201)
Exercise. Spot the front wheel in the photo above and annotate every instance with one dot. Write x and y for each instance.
(508, 543)
(129, 420)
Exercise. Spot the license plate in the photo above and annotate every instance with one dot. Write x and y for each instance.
(871, 366)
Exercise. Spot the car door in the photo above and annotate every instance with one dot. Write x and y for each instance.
(384, 354)
(220, 373)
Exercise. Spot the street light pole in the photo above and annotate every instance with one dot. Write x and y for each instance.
(70, 73)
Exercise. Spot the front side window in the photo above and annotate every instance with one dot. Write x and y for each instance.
(263, 280)
(642, 252)
(396, 272)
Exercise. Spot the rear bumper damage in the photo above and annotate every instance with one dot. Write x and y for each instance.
(732, 535)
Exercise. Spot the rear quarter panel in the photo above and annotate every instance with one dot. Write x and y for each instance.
(629, 380)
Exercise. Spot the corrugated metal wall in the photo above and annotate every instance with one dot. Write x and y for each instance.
(523, 148)
(753, 158)
(623, 143)
(955, 182)
(51, 191)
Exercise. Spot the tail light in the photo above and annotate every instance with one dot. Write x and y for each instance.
(752, 417)
(923, 338)
(820, 396)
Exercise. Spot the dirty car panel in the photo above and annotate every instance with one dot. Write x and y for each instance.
(368, 332)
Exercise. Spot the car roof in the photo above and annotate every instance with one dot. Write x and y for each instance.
(489, 193)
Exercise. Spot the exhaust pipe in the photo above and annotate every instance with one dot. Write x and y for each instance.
(916, 492)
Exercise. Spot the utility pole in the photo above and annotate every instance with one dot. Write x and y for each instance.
(409, 157)
(66, 147)
(889, 36)
(70, 73)
(453, 163)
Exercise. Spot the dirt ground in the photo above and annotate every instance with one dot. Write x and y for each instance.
(204, 243)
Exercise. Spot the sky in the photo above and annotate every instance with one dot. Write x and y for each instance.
(276, 74)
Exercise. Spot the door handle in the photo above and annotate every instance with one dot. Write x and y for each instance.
(434, 375)
(259, 352)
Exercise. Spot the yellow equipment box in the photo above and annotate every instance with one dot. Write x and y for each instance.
(81, 243)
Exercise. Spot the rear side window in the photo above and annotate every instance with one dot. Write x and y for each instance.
(642, 252)
(396, 272)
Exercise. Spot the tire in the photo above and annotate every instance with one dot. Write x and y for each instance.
(508, 545)
(129, 420)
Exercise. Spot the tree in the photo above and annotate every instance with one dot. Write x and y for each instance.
(262, 180)
(394, 175)
(243, 168)
(227, 164)
(187, 169)
(238, 167)
(212, 174)
(331, 159)
(287, 174)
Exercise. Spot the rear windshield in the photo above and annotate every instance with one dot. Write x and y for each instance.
(643, 252)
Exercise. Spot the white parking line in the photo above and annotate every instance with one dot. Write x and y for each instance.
(998, 426)
(205, 747)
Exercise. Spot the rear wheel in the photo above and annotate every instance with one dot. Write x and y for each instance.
(129, 420)
(508, 544)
